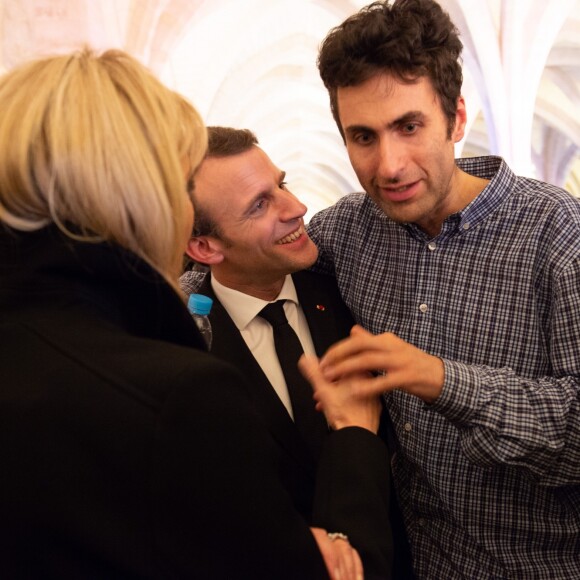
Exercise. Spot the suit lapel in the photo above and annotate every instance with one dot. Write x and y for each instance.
(229, 345)
(328, 318)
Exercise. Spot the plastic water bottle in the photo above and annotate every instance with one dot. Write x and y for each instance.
(200, 306)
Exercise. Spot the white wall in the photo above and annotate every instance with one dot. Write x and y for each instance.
(251, 63)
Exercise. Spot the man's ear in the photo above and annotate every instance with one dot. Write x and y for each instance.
(205, 250)
(460, 120)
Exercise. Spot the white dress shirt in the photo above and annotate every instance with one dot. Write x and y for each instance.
(257, 332)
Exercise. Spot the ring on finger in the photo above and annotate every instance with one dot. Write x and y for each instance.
(332, 536)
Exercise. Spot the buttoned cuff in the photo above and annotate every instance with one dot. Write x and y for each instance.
(458, 399)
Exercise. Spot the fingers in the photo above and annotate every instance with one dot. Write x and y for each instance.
(348, 565)
(310, 369)
(358, 330)
(399, 365)
(357, 567)
(327, 550)
(361, 352)
(342, 560)
(347, 402)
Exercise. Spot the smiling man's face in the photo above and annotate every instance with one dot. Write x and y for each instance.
(261, 235)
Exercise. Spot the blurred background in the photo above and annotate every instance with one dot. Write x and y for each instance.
(252, 63)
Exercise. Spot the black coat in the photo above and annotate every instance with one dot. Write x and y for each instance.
(125, 450)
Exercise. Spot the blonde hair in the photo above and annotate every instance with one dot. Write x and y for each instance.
(97, 146)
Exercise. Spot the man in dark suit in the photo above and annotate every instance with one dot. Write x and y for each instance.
(249, 230)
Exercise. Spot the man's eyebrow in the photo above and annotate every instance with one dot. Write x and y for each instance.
(408, 117)
(357, 129)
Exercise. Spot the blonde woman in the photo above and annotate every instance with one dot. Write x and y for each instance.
(126, 451)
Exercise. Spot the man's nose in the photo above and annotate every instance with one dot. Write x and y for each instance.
(391, 161)
(291, 207)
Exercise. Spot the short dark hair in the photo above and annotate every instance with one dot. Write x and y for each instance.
(408, 39)
(222, 142)
(226, 141)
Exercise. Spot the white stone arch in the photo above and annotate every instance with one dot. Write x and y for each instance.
(522, 69)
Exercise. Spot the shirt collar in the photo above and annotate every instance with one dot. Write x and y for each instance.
(243, 308)
(502, 181)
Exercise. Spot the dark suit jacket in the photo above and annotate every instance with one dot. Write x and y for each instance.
(125, 450)
(329, 320)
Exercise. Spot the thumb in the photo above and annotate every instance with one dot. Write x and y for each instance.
(310, 368)
(358, 330)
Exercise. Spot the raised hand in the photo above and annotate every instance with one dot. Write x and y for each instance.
(341, 400)
(396, 364)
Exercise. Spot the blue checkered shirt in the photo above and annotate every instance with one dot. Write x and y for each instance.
(488, 477)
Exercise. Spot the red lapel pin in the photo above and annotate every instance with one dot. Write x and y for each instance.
(320, 307)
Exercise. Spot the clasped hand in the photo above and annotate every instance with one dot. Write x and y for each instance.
(365, 365)
(340, 400)
(341, 559)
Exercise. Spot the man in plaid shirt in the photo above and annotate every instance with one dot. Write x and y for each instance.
(465, 280)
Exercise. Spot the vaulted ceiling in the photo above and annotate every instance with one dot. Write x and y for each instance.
(251, 63)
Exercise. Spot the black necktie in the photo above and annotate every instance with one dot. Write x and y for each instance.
(310, 423)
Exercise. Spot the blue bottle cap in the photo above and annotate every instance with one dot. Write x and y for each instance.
(199, 304)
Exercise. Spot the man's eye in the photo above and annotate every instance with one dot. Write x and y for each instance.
(283, 185)
(409, 127)
(363, 138)
(260, 205)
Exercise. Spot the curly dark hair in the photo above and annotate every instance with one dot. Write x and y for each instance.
(408, 39)
(222, 142)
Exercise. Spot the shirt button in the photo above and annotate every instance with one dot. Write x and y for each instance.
(423, 308)
(407, 427)
(431, 245)
(466, 226)
(421, 521)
